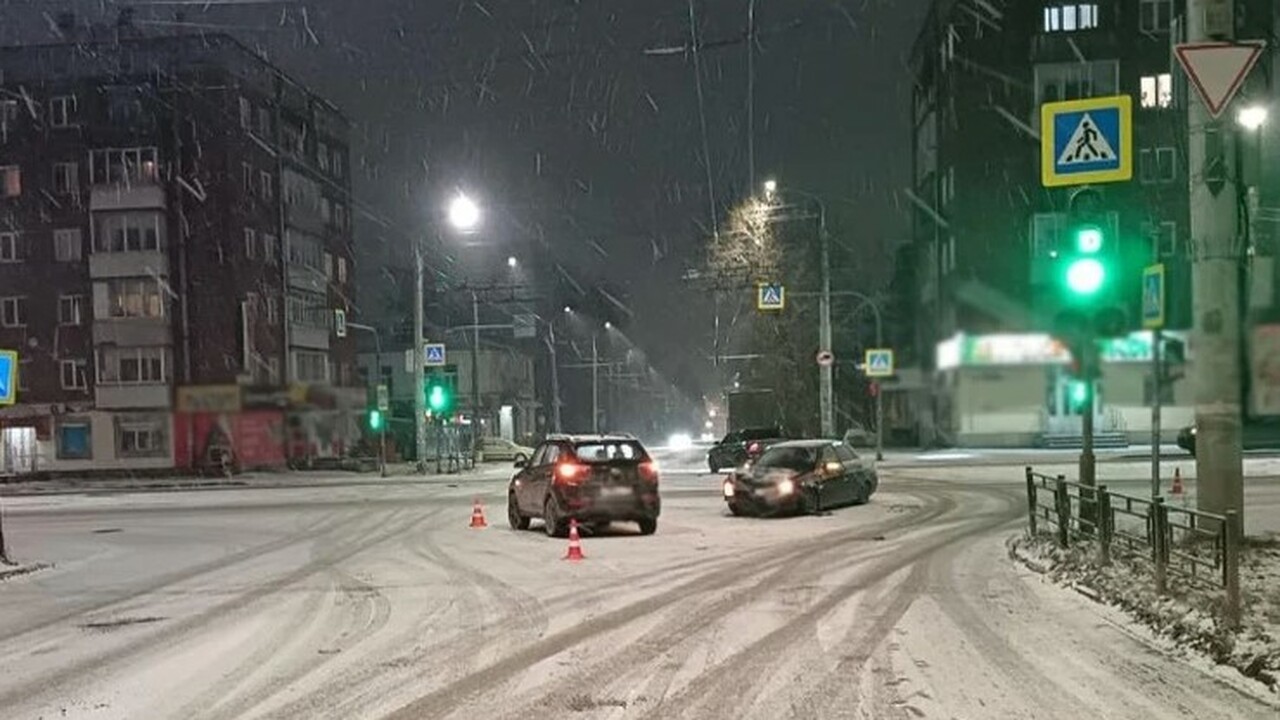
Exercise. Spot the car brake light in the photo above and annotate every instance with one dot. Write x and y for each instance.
(649, 471)
(569, 472)
(753, 448)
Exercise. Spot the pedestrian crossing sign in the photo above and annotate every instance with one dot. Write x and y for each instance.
(771, 296)
(1086, 141)
(879, 362)
(8, 377)
(434, 354)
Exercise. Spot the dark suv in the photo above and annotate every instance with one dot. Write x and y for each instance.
(740, 445)
(595, 479)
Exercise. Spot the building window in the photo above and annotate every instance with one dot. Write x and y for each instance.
(10, 181)
(1157, 165)
(266, 186)
(66, 180)
(273, 311)
(342, 270)
(8, 117)
(328, 266)
(273, 369)
(322, 156)
(71, 310)
(132, 366)
(13, 312)
(1154, 16)
(73, 375)
(123, 166)
(62, 111)
(246, 177)
(67, 245)
(311, 367)
(1164, 238)
(340, 216)
(337, 162)
(142, 436)
(1157, 91)
(306, 309)
(1075, 80)
(250, 243)
(246, 113)
(10, 247)
(264, 122)
(129, 232)
(270, 248)
(135, 297)
(75, 440)
(1071, 17)
(326, 210)
(304, 250)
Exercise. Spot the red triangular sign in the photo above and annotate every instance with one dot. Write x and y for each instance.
(1218, 69)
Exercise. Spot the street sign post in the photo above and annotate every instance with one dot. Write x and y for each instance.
(434, 355)
(1217, 69)
(384, 400)
(1086, 141)
(771, 297)
(8, 377)
(879, 363)
(1153, 302)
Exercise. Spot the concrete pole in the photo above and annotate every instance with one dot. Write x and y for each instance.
(1157, 382)
(1215, 255)
(419, 363)
(880, 389)
(595, 385)
(555, 378)
(826, 401)
(475, 378)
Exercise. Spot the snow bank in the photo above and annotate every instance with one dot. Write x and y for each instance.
(1189, 615)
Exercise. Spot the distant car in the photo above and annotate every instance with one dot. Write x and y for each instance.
(800, 476)
(1257, 435)
(858, 436)
(497, 448)
(740, 445)
(594, 479)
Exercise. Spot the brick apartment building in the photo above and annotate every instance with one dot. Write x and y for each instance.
(176, 257)
(986, 231)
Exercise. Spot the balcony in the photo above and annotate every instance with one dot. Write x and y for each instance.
(306, 336)
(305, 277)
(304, 217)
(132, 332)
(142, 263)
(133, 196)
(120, 397)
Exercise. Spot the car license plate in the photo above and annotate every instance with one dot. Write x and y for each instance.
(614, 492)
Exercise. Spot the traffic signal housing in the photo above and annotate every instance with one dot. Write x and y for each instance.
(1087, 276)
(439, 394)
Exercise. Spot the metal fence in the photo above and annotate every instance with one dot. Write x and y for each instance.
(1181, 544)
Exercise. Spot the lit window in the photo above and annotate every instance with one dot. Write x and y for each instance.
(135, 297)
(1071, 17)
(10, 181)
(1156, 91)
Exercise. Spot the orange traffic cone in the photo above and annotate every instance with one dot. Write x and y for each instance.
(575, 543)
(1176, 490)
(477, 515)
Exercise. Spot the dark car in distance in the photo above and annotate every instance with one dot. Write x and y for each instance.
(800, 476)
(741, 445)
(1254, 435)
(594, 479)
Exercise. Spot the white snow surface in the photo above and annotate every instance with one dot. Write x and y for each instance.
(377, 600)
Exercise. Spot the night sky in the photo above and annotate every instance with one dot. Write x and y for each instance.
(578, 124)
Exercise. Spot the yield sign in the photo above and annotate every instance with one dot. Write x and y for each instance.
(1218, 69)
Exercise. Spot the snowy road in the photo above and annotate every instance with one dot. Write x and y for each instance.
(377, 601)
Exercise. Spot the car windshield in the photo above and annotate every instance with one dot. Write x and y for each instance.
(789, 458)
(613, 451)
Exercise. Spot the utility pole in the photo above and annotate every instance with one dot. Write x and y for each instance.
(595, 385)
(419, 364)
(1216, 256)
(475, 378)
(555, 378)
(826, 400)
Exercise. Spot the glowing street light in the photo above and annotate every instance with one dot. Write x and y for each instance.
(608, 325)
(512, 262)
(464, 214)
(567, 310)
(1252, 117)
(770, 187)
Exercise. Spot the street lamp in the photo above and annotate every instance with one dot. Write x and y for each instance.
(567, 310)
(1252, 117)
(464, 214)
(770, 187)
(512, 262)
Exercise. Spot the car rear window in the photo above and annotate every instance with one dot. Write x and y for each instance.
(761, 433)
(799, 459)
(612, 451)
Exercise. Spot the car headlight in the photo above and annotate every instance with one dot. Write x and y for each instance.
(786, 487)
(1193, 431)
(728, 488)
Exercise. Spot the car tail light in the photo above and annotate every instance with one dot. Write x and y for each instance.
(754, 448)
(570, 473)
(649, 471)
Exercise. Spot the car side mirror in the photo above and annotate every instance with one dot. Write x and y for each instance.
(521, 463)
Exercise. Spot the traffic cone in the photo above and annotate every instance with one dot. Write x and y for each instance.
(1176, 490)
(575, 543)
(477, 515)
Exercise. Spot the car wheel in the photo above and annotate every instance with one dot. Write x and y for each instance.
(518, 520)
(648, 526)
(737, 510)
(809, 504)
(554, 525)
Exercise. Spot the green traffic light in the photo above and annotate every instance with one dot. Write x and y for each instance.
(1089, 240)
(1078, 395)
(1085, 276)
(437, 398)
(375, 420)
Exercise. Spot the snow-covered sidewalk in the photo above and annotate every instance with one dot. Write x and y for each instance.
(1190, 614)
(17, 569)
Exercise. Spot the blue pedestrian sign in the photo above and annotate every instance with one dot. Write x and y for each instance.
(879, 362)
(771, 296)
(1153, 297)
(434, 353)
(1086, 141)
(8, 377)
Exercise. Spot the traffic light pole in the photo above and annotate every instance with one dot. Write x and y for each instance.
(1215, 262)
(419, 364)
(1157, 383)
(1089, 367)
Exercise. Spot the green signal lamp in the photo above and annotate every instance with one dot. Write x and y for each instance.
(1086, 275)
(1089, 239)
(437, 398)
(376, 420)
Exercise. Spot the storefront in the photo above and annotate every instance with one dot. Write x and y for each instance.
(1016, 390)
